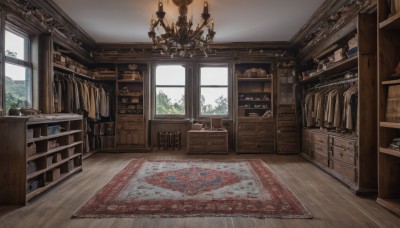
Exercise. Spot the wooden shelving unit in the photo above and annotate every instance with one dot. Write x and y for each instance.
(355, 165)
(49, 150)
(388, 58)
(255, 131)
(131, 127)
(287, 136)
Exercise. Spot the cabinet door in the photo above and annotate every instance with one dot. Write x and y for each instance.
(130, 137)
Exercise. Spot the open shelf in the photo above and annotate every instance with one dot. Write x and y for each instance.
(390, 152)
(53, 136)
(37, 173)
(336, 68)
(391, 82)
(129, 80)
(392, 23)
(390, 125)
(60, 67)
(59, 148)
(51, 184)
(254, 79)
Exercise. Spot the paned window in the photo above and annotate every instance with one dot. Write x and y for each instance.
(214, 88)
(18, 81)
(170, 90)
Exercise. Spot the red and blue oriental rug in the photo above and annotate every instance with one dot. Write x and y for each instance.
(184, 188)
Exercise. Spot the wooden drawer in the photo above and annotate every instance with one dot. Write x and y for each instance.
(246, 133)
(130, 126)
(247, 120)
(320, 138)
(346, 156)
(265, 140)
(197, 135)
(286, 123)
(321, 149)
(268, 134)
(306, 149)
(343, 143)
(202, 141)
(286, 117)
(287, 129)
(265, 147)
(247, 139)
(218, 149)
(217, 134)
(347, 171)
(218, 141)
(322, 159)
(130, 118)
(247, 146)
(286, 147)
(266, 127)
(129, 137)
(247, 127)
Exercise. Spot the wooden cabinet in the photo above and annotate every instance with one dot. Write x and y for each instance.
(48, 150)
(255, 135)
(255, 128)
(131, 127)
(287, 136)
(388, 124)
(333, 152)
(204, 141)
(344, 151)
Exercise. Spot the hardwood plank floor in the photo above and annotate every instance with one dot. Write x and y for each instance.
(331, 203)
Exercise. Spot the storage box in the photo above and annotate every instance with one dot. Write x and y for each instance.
(31, 167)
(57, 158)
(31, 149)
(339, 54)
(70, 165)
(53, 174)
(71, 139)
(51, 130)
(71, 151)
(29, 133)
(51, 144)
(49, 160)
(31, 186)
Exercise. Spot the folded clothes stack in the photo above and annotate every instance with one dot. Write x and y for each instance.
(395, 144)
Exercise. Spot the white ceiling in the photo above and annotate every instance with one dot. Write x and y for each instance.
(128, 21)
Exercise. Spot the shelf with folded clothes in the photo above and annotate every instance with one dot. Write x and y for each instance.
(61, 68)
(335, 69)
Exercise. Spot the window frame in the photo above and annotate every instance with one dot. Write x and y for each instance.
(154, 92)
(27, 63)
(199, 115)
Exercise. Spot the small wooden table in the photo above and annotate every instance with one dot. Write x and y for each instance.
(207, 142)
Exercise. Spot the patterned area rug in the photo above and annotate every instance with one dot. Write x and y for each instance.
(184, 188)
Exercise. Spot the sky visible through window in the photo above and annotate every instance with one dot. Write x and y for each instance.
(15, 45)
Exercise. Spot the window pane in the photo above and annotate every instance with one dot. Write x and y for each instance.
(17, 87)
(15, 46)
(214, 101)
(214, 76)
(170, 101)
(170, 75)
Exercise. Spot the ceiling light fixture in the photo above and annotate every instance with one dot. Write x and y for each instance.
(180, 38)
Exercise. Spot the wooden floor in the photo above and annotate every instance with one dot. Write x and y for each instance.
(331, 203)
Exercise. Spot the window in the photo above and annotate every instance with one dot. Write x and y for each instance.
(170, 90)
(18, 83)
(214, 99)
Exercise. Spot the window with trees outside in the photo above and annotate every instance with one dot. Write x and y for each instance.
(18, 80)
(214, 99)
(170, 90)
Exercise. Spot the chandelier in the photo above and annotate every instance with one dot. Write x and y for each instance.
(181, 38)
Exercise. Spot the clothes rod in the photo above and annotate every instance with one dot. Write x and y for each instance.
(337, 83)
